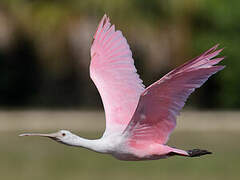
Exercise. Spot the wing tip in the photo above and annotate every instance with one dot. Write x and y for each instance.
(105, 19)
(207, 59)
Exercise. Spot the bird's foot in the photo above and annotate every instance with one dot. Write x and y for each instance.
(197, 152)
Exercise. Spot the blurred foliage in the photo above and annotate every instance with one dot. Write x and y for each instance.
(41, 65)
(217, 22)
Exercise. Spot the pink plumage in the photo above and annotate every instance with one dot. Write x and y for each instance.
(138, 120)
(113, 72)
(161, 102)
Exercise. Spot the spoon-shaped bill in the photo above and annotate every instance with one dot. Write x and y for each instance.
(51, 135)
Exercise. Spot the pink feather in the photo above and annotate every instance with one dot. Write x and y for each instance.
(155, 116)
(113, 72)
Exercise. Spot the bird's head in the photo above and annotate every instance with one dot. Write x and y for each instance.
(62, 136)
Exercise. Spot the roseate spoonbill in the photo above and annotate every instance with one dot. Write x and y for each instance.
(139, 120)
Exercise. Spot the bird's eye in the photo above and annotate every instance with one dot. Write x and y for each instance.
(63, 134)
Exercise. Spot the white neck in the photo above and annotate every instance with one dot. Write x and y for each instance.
(94, 145)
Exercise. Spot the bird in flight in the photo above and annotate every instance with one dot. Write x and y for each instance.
(139, 120)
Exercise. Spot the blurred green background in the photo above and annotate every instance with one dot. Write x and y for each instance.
(44, 76)
(45, 44)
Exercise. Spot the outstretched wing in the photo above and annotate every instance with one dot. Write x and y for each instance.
(115, 76)
(160, 103)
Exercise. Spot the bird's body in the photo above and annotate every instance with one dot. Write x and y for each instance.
(139, 120)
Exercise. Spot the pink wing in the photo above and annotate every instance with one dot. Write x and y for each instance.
(114, 74)
(160, 103)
